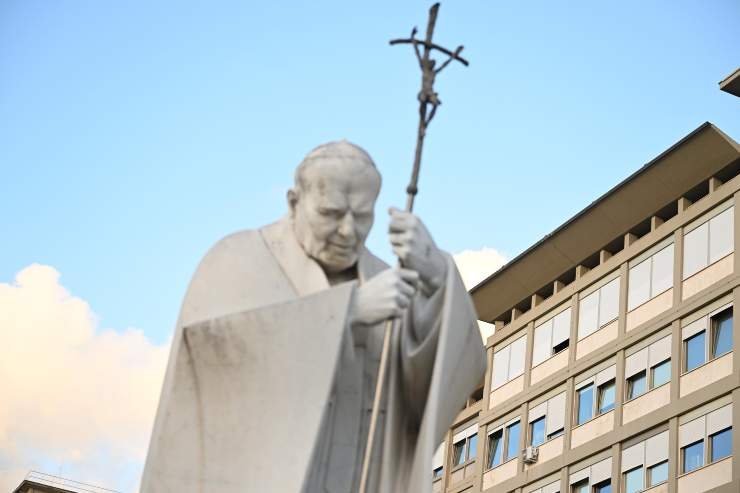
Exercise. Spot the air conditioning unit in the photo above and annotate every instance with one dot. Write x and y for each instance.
(531, 454)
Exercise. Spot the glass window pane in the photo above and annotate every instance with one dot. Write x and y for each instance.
(603, 487)
(633, 480)
(695, 352)
(588, 315)
(560, 328)
(607, 393)
(472, 446)
(721, 444)
(437, 473)
(658, 474)
(580, 487)
(609, 302)
(721, 234)
(661, 373)
(495, 449)
(516, 363)
(722, 335)
(542, 342)
(662, 276)
(636, 385)
(512, 450)
(639, 285)
(693, 456)
(458, 453)
(501, 367)
(537, 432)
(695, 250)
(585, 404)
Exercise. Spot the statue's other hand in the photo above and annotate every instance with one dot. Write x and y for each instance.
(384, 296)
(416, 249)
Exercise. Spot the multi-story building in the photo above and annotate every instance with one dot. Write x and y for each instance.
(38, 482)
(614, 365)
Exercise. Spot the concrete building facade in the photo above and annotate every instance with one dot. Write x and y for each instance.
(614, 362)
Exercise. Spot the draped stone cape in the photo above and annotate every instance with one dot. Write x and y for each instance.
(261, 349)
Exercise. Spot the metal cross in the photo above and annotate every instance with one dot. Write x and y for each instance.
(428, 103)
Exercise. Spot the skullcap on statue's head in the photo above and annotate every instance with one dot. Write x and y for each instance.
(337, 151)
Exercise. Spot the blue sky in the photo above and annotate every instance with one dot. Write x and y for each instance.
(135, 134)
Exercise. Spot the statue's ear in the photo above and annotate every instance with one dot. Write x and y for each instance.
(292, 196)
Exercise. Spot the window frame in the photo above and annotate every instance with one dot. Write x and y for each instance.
(707, 222)
(682, 456)
(711, 324)
(641, 469)
(598, 294)
(600, 392)
(685, 344)
(710, 446)
(489, 450)
(651, 381)
(631, 385)
(504, 441)
(592, 388)
(715, 324)
(542, 420)
(652, 290)
(649, 474)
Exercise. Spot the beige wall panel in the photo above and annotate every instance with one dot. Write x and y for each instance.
(596, 340)
(594, 428)
(550, 366)
(651, 309)
(706, 478)
(437, 486)
(506, 392)
(499, 474)
(457, 476)
(548, 451)
(704, 375)
(646, 403)
(705, 278)
(661, 488)
(470, 470)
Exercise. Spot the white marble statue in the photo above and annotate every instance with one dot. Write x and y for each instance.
(274, 360)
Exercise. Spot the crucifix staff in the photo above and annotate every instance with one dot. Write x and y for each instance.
(428, 103)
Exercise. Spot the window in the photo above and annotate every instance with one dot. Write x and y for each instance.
(580, 487)
(472, 446)
(512, 446)
(660, 374)
(657, 474)
(648, 368)
(598, 308)
(708, 243)
(692, 456)
(495, 448)
(458, 452)
(722, 333)
(636, 385)
(606, 397)
(437, 473)
(720, 445)
(694, 348)
(585, 404)
(508, 362)
(603, 487)
(537, 432)
(633, 480)
(464, 445)
(551, 337)
(650, 277)
(646, 462)
(713, 429)
(547, 420)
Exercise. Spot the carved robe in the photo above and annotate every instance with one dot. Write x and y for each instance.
(267, 388)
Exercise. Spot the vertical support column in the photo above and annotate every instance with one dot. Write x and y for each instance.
(523, 432)
(446, 463)
(619, 389)
(616, 467)
(736, 225)
(677, 266)
(623, 292)
(487, 381)
(673, 458)
(736, 437)
(528, 355)
(573, 342)
(676, 359)
(569, 399)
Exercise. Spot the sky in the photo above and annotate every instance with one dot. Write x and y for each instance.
(133, 135)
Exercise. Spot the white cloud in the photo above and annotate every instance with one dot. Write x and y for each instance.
(476, 265)
(71, 393)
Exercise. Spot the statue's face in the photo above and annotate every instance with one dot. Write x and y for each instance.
(333, 211)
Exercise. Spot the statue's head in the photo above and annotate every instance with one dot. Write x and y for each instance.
(332, 203)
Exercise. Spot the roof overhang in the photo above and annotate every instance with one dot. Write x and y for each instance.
(731, 83)
(693, 159)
